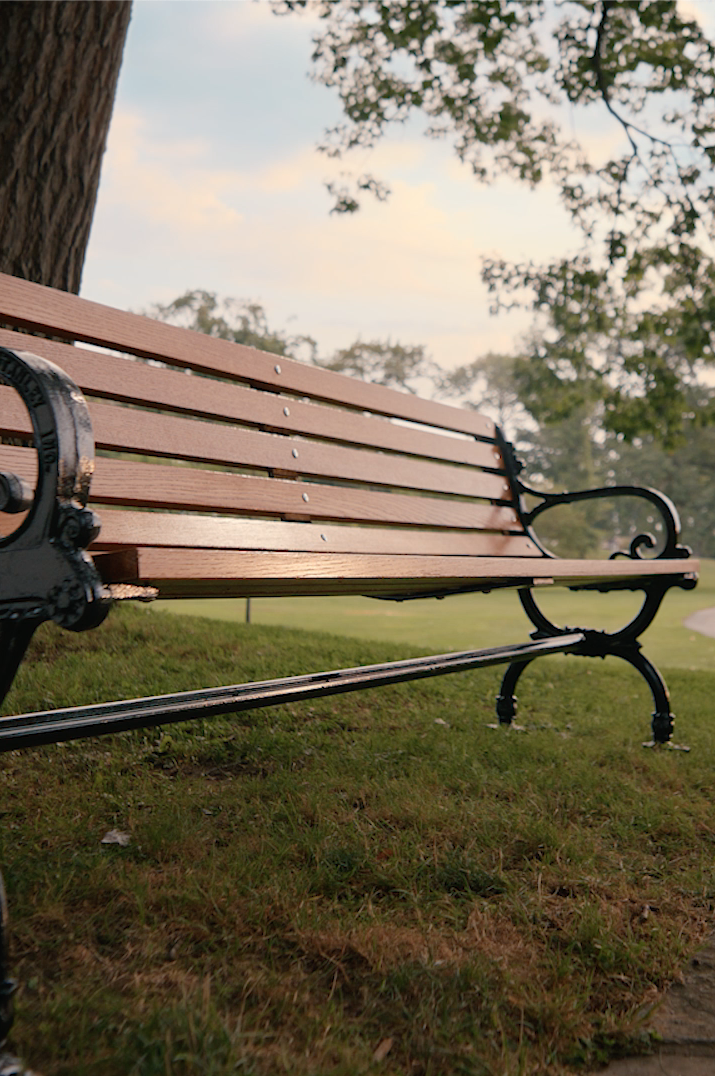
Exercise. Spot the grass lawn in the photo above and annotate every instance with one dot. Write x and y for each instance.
(375, 883)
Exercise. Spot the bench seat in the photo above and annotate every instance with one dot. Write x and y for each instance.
(210, 572)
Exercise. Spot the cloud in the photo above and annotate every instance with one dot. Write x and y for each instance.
(167, 220)
(235, 22)
(408, 244)
(172, 188)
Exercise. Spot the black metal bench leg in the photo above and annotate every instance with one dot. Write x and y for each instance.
(9, 1065)
(15, 636)
(600, 644)
(7, 985)
(663, 719)
(506, 699)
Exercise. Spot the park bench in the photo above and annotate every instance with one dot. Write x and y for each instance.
(138, 460)
(219, 470)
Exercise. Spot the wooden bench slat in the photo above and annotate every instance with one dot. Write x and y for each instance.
(179, 572)
(150, 485)
(145, 484)
(39, 309)
(125, 429)
(116, 378)
(202, 532)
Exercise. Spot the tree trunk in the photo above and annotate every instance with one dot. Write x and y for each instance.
(59, 65)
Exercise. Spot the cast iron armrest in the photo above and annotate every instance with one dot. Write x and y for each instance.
(672, 549)
(46, 573)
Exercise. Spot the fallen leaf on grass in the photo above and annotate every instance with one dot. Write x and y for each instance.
(383, 1050)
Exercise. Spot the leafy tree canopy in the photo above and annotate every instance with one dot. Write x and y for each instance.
(238, 320)
(243, 321)
(384, 362)
(490, 384)
(510, 82)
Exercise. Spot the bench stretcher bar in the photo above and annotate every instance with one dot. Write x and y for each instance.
(56, 726)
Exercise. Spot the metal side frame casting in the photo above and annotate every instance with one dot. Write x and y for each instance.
(624, 642)
(46, 573)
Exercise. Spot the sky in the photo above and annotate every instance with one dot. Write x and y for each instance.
(212, 180)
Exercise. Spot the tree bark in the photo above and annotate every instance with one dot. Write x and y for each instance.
(59, 65)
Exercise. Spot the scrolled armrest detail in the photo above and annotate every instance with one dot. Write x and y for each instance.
(672, 549)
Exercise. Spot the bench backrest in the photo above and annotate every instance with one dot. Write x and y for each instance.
(249, 446)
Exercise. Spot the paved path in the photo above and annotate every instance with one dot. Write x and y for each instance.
(703, 622)
(685, 1022)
